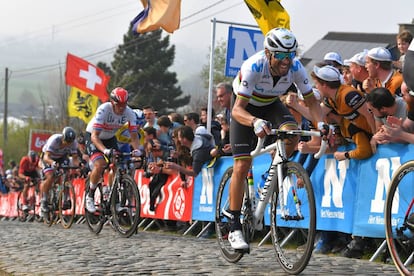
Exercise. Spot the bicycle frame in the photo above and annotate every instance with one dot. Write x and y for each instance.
(276, 167)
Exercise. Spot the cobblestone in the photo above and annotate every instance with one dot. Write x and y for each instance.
(36, 249)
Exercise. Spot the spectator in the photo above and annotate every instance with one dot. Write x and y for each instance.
(215, 125)
(177, 119)
(381, 103)
(224, 94)
(403, 41)
(381, 74)
(334, 59)
(150, 117)
(164, 135)
(357, 69)
(355, 122)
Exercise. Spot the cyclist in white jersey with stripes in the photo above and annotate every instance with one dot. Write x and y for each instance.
(100, 136)
(262, 79)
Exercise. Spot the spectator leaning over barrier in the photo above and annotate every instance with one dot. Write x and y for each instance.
(350, 108)
(381, 73)
(381, 103)
(200, 147)
(349, 103)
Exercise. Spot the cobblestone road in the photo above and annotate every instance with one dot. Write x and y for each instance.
(35, 249)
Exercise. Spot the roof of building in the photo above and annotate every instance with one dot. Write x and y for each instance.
(347, 44)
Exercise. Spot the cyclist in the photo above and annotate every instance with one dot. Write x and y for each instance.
(100, 136)
(28, 171)
(57, 150)
(261, 80)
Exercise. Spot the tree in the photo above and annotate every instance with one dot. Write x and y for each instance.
(141, 65)
(219, 65)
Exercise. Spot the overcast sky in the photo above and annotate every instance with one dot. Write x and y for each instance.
(42, 32)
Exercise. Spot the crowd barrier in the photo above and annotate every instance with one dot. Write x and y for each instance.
(350, 194)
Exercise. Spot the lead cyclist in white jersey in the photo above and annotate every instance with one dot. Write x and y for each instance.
(262, 79)
(100, 136)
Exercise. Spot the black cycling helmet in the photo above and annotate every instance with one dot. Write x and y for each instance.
(68, 135)
(32, 155)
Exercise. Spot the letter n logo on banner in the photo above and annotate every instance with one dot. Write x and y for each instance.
(206, 196)
(241, 44)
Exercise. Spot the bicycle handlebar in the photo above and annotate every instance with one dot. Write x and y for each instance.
(281, 133)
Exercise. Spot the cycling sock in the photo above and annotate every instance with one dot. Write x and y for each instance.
(235, 221)
(92, 188)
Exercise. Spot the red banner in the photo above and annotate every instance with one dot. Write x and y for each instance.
(38, 139)
(174, 201)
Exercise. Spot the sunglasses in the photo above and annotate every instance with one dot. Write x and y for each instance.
(282, 55)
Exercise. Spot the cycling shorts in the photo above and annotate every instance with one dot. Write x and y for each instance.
(243, 139)
(91, 149)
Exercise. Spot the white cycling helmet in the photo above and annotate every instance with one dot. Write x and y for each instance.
(280, 40)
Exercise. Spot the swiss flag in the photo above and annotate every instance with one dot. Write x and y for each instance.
(87, 77)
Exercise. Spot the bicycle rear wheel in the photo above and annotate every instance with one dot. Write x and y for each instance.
(67, 205)
(96, 220)
(223, 223)
(293, 235)
(125, 206)
(399, 218)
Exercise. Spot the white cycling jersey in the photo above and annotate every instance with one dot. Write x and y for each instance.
(57, 149)
(107, 122)
(255, 82)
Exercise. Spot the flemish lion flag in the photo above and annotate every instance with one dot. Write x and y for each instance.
(82, 105)
(158, 14)
(269, 14)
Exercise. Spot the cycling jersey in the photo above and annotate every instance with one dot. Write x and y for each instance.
(57, 149)
(392, 83)
(255, 82)
(107, 122)
(26, 166)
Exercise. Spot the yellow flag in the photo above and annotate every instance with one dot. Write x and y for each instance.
(158, 14)
(269, 14)
(82, 105)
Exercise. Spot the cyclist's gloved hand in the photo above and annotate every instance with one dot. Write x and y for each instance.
(28, 179)
(136, 153)
(259, 125)
(324, 128)
(107, 152)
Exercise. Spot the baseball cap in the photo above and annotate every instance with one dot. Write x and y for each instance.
(327, 73)
(358, 58)
(380, 54)
(333, 56)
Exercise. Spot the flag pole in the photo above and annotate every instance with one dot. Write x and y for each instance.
(211, 77)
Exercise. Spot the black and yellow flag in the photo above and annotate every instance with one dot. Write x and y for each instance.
(82, 105)
(269, 14)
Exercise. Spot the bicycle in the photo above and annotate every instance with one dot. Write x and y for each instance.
(399, 218)
(32, 200)
(120, 204)
(289, 190)
(62, 197)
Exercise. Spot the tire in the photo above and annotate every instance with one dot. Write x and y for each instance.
(398, 208)
(95, 221)
(53, 215)
(20, 213)
(222, 222)
(67, 205)
(125, 197)
(293, 240)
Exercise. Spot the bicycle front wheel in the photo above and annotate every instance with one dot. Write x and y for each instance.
(67, 205)
(399, 218)
(96, 220)
(125, 206)
(223, 222)
(293, 219)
